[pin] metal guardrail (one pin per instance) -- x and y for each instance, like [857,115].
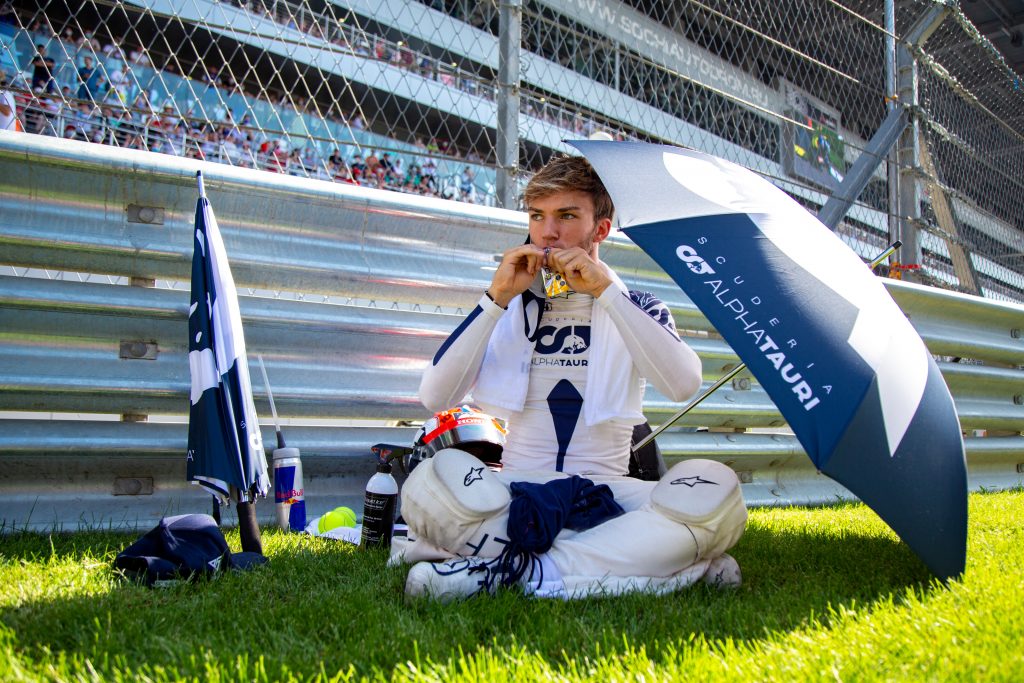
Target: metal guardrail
[409,266]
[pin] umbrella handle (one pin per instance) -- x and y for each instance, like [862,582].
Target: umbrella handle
[732,373]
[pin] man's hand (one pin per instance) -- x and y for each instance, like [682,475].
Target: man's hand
[582,273]
[515,274]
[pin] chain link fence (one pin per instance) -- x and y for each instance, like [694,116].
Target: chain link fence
[411,96]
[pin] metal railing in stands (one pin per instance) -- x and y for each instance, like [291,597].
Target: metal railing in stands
[347,293]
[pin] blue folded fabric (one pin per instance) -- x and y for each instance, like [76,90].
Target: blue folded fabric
[538,512]
[181,547]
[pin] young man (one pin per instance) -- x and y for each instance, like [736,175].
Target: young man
[565,372]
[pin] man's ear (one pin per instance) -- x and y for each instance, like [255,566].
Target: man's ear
[604,228]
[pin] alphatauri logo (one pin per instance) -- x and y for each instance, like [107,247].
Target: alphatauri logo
[693,261]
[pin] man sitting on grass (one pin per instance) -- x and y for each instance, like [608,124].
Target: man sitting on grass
[560,349]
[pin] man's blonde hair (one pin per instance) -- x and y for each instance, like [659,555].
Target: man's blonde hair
[570,174]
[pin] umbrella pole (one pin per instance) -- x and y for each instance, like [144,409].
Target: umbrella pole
[689,406]
[735,371]
[216,509]
[248,527]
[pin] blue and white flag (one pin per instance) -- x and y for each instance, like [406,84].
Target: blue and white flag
[820,333]
[225,446]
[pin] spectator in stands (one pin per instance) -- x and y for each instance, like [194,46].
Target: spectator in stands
[84,120]
[169,120]
[309,158]
[113,49]
[382,50]
[343,173]
[86,74]
[294,165]
[88,42]
[246,156]
[99,86]
[42,71]
[358,167]
[467,189]
[8,109]
[406,58]
[427,69]
[414,179]
[374,169]
[118,88]
[429,172]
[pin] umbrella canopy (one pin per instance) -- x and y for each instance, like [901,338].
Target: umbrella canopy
[224,442]
[820,332]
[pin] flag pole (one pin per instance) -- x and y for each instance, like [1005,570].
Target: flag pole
[735,371]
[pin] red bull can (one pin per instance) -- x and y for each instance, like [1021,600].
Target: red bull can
[289,496]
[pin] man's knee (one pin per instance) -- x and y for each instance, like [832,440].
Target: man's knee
[704,495]
[450,497]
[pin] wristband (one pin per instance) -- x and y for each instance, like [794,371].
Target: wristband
[488,294]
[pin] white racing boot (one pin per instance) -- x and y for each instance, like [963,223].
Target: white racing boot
[723,572]
[465,577]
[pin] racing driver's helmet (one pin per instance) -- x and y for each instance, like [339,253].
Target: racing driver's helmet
[465,428]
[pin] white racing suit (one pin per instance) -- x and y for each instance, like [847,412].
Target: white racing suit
[579,352]
[670,535]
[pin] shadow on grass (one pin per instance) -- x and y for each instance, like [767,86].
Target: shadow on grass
[322,601]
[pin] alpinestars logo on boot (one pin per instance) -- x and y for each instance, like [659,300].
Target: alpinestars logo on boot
[475,474]
[691,481]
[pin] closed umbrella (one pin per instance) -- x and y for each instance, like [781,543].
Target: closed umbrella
[225,448]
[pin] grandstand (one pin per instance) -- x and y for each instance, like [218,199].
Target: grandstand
[410,96]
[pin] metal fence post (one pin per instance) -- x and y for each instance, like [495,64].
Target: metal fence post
[507,147]
[909,154]
[892,161]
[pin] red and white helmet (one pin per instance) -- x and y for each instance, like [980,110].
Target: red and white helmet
[464,428]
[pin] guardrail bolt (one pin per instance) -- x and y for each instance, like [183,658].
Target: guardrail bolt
[1018,400]
[136,349]
[1015,333]
[741,384]
[1020,468]
[745,477]
[152,215]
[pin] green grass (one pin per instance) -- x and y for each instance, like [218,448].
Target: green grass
[829,593]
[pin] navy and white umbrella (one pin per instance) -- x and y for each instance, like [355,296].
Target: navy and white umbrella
[821,334]
[225,447]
